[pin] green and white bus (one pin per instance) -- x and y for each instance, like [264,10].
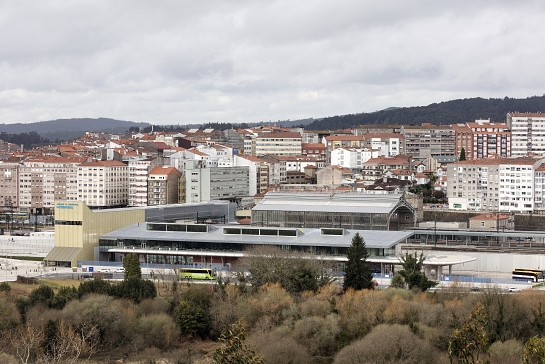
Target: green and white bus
[196,273]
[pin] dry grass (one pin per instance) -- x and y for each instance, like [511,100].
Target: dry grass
[22,289]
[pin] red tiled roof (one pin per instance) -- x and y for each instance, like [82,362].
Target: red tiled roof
[527,114]
[489,216]
[165,170]
[103,164]
[344,137]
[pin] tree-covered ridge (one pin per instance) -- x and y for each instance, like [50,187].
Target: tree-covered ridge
[29,140]
[448,112]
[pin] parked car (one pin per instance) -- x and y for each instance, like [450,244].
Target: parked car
[120,270]
[104,270]
[513,289]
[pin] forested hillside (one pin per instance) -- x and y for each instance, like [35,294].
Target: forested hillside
[448,112]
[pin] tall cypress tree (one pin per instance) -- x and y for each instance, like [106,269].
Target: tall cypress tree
[131,263]
[358,273]
[462,155]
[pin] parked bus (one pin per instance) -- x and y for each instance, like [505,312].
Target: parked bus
[196,273]
[535,275]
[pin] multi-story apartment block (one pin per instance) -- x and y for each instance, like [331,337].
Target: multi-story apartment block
[277,170]
[103,184]
[44,180]
[464,140]
[299,162]
[138,181]
[389,144]
[474,185]
[9,185]
[317,150]
[493,184]
[375,168]
[249,145]
[258,173]
[428,140]
[216,183]
[517,183]
[235,138]
[333,142]
[527,133]
[163,184]
[539,188]
[490,139]
[283,143]
[352,158]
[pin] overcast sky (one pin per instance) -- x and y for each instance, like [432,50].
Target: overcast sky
[179,62]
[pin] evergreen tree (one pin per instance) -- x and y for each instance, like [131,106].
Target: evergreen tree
[358,273]
[412,272]
[132,267]
[462,155]
[233,349]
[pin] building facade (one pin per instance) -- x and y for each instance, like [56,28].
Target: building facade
[428,140]
[207,184]
[163,184]
[103,184]
[493,184]
[286,143]
[44,180]
[527,133]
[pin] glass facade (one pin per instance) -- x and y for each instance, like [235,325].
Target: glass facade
[316,220]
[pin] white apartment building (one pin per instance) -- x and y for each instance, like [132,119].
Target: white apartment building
[138,181]
[103,183]
[346,157]
[44,180]
[352,158]
[258,171]
[499,184]
[388,144]
[527,133]
[517,184]
[278,143]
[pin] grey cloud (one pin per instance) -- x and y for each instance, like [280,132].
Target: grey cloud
[244,61]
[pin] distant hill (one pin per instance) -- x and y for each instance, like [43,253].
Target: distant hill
[67,129]
[448,112]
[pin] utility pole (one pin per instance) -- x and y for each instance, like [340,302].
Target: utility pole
[435,229]
[498,228]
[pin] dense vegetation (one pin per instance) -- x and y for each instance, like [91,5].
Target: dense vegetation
[213,324]
[29,140]
[448,112]
[284,308]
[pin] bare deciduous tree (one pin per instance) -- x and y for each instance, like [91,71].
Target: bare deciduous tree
[70,345]
[26,340]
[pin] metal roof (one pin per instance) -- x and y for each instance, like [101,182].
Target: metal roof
[305,237]
[329,202]
[62,254]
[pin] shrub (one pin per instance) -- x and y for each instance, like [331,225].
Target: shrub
[279,348]
[158,330]
[507,352]
[9,315]
[192,319]
[388,344]
[318,334]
